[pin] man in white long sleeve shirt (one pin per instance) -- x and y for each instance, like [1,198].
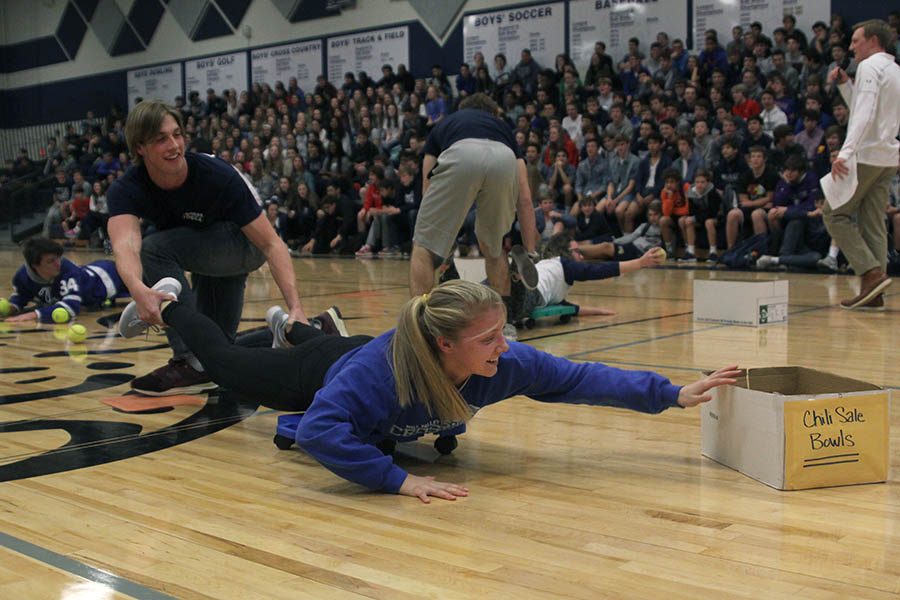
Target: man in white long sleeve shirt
[858,226]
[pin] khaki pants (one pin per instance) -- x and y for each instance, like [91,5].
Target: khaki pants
[858,227]
[471,170]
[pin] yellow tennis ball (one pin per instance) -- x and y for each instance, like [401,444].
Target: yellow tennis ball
[60,315]
[77,334]
[662,252]
[5,308]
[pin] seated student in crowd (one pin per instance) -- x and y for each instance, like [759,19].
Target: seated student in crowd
[831,143]
[688,161]
[728,173]
[804,244]
[335,228]
[649,181]
[674,211]
[669,134]
[561,174]
[53,282]
[703,141]
[783,147]
[755,136]
[785,101]
[409,194]
[549,218]
[446,359]
[639,143]
[618,123]
[620,192]
[382,237]
[744,106]
[371,209]
[591,226]
[794,198]
[646,236]
[755,192]
[705,209]
[562,265]
[815,104]
[78,208]
[592,175]
[810,137]
[772,115]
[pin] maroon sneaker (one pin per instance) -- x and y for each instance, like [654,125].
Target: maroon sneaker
[330,322]
[176,377]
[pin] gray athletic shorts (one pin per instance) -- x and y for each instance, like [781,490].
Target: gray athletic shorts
[471,170]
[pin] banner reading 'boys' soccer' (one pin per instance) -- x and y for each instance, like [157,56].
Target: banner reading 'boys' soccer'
[539,28]
[613,22]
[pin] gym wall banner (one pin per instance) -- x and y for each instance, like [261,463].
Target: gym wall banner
[302,60]
[615,21]
[539,28]
[225,71]
[367,51]
[722,16]
[162,82]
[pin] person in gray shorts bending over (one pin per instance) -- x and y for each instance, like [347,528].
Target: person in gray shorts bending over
[471,156]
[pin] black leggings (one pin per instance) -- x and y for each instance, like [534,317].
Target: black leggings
[283,379]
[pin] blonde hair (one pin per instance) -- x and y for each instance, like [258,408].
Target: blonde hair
[143,124]
[448,309]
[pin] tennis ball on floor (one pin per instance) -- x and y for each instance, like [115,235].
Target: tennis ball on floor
[107,303]
[77,334]
[661,252]
[60,315]
[5,308]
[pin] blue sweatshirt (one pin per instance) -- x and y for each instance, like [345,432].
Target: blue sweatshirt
[799,198]
[357,406]
[75,286]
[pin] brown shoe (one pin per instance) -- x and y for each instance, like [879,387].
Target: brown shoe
[873,283]
[175,377]
[875,304]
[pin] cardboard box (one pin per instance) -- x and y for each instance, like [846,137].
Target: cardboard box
[740,302]
[796,428]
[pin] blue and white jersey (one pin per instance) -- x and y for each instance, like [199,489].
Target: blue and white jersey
[75,286]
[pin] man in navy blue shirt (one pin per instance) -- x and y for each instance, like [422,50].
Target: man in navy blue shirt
[209,222]
[471,157]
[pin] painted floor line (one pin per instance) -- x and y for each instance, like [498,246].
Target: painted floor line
[79,569]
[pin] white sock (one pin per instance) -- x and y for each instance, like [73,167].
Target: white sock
[775,260]
[833,251]
[712,250]
[690,249]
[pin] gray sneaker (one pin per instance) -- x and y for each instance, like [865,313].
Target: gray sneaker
[130,323]
[828,264]
[524,267]
[277,318]
[766,262]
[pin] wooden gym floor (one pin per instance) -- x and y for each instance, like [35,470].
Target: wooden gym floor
[566,501]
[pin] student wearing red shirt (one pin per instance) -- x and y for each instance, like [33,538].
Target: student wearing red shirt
[744,107]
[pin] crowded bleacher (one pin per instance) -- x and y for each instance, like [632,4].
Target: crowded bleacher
[723,147]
